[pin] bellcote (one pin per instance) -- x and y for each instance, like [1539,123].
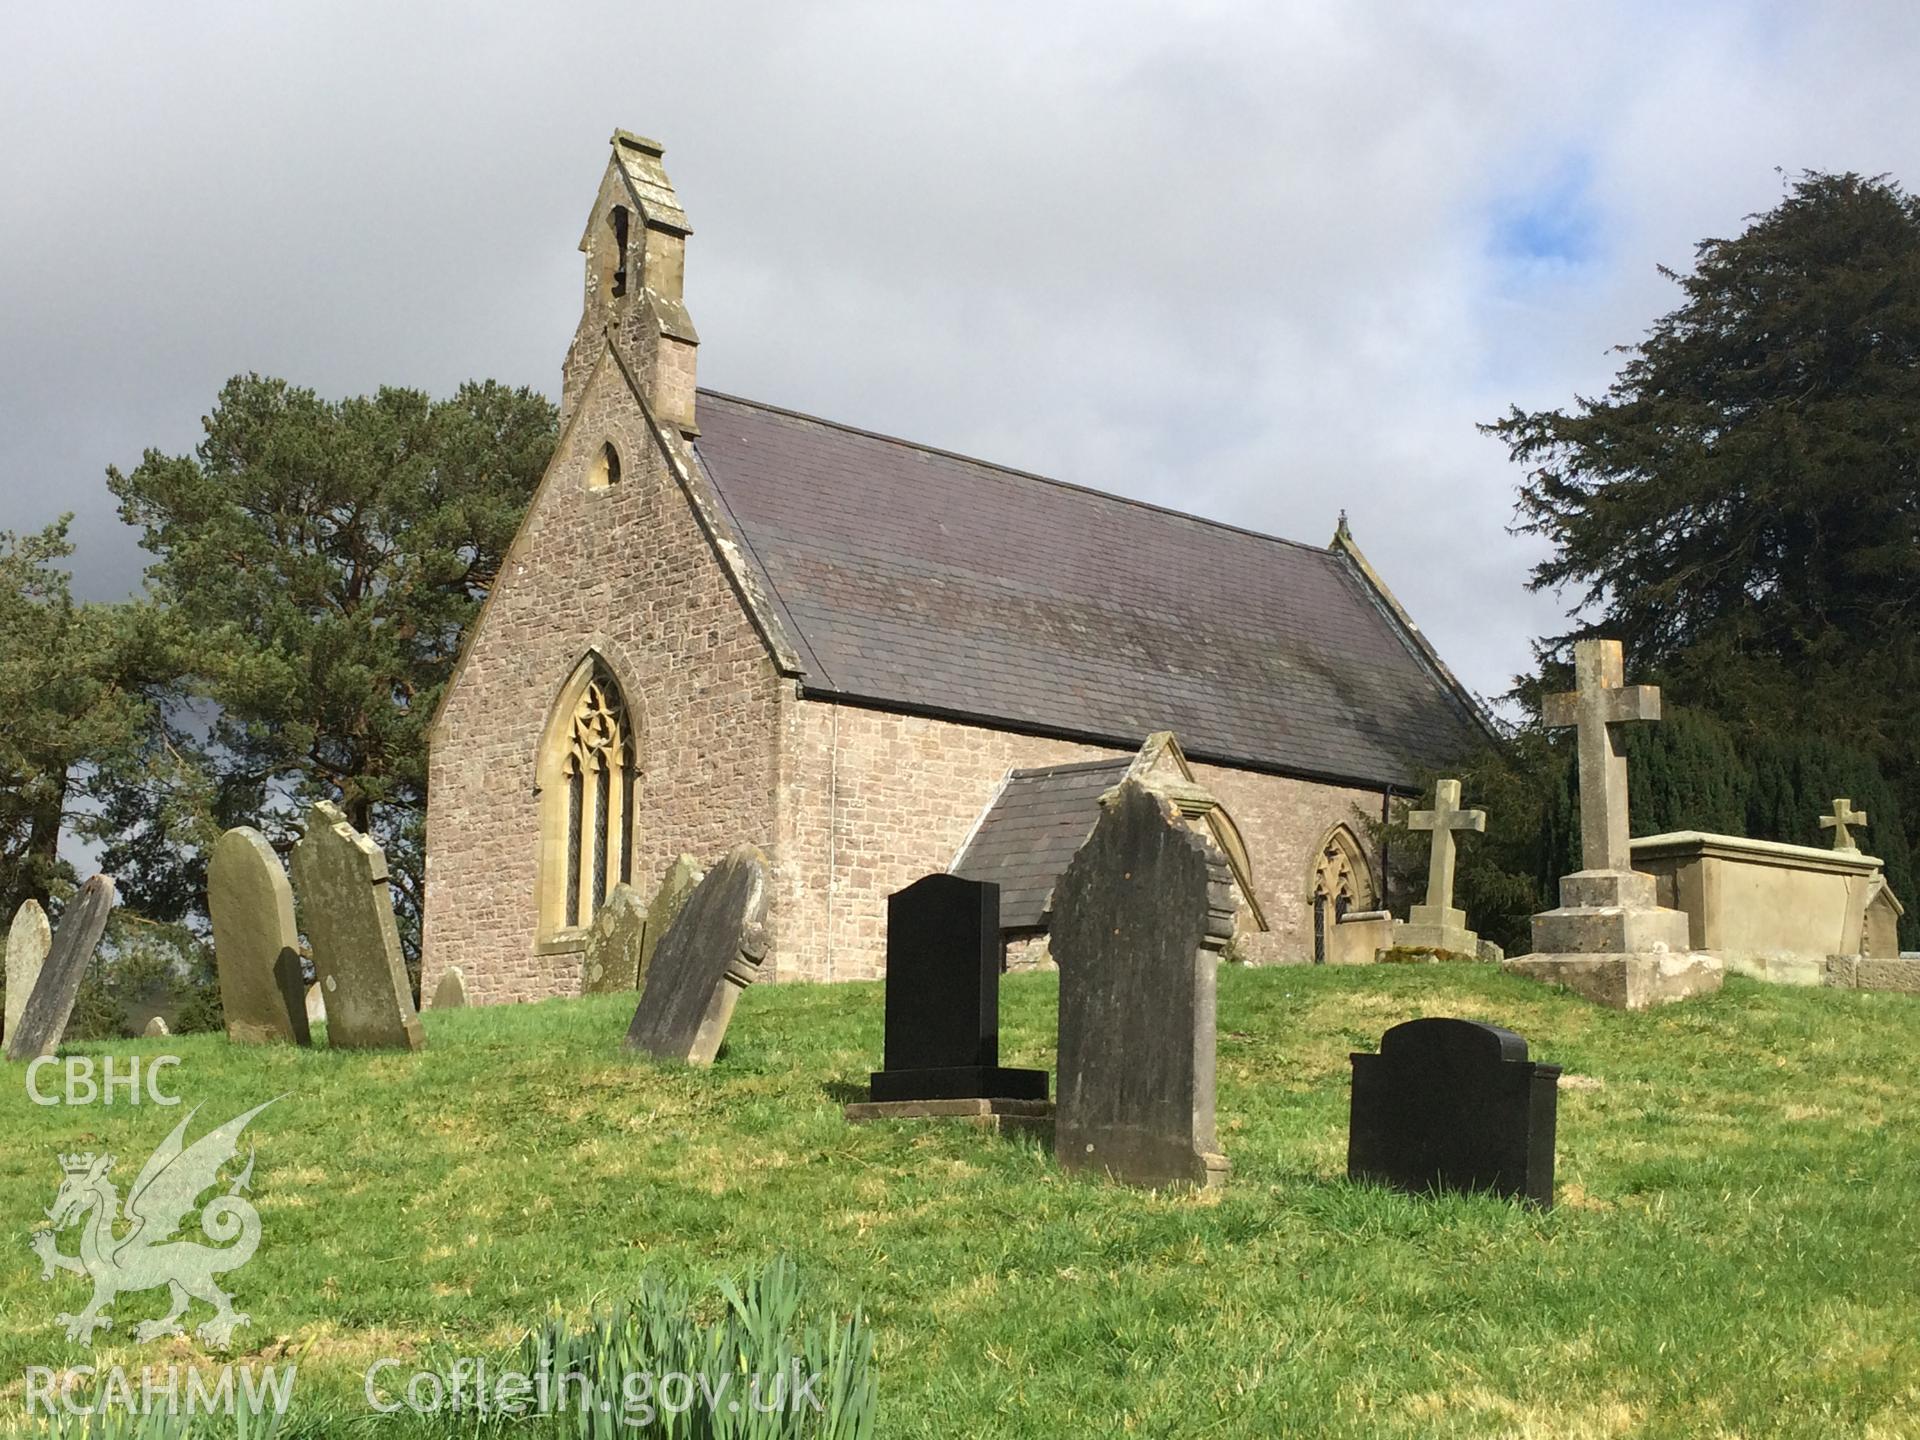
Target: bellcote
[635,246]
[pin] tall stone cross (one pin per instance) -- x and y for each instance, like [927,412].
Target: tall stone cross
[1445,818]
[1842,820]
[1598,705]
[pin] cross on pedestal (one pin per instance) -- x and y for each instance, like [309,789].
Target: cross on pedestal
[1842,820]
[1598,705]
[1445,818]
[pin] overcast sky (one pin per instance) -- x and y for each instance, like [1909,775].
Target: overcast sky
[1259,261]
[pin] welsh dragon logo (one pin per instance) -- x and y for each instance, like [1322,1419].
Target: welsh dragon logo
[145,1255]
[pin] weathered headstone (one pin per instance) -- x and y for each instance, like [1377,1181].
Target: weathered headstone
[256,947]
[711,952]
[1842,822]
[1454,1105]
[943,998]
[28,939]
[1611,940]
[156,1028]
[316,1006]
[611,961]
[1139,919]
[44,1020]
[451,992]
[1437,925]
[675,886]
[341,876]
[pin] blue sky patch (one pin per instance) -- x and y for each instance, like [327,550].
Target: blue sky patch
[1555,222]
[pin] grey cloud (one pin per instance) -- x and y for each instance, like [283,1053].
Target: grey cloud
[1233,257]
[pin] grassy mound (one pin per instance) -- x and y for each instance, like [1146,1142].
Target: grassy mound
[1732,1254]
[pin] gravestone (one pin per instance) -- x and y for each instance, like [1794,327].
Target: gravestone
[1139,918]
[1437,925]
[1454,1105]
[256,947]
[675,886]
[711,952]
[341,876]
[1611,940]
[28,940]
[156,1028]
[943,998]
[451,992]
[611,961]
[316,1006]
[44,1020]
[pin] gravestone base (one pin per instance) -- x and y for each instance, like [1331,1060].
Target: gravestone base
[1139,1158]
[1860,972]
[1429,927]
[959,1082]
[1779,969]
[1626,982]
[999,1116]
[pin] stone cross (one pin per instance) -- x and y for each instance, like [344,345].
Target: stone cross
[1445,818]
[1598,705]
[1842,820]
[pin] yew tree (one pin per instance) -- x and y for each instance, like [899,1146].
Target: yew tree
[1742,505]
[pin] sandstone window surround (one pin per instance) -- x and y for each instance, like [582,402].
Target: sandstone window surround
[1341,880]
[587,770]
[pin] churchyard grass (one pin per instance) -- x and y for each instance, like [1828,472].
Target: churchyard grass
[1733,1252]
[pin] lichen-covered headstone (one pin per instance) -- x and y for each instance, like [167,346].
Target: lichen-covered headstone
[156,1027]
[256,947]
[451,992]
[675,886]
[44,1020]
[710,953]
[28,940]
[1139,919]
[611,961]
[341,877]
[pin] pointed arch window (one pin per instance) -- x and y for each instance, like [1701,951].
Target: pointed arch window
[1342,881]
[589,799]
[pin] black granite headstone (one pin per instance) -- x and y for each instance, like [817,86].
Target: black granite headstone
[943,997]
[44,1022]
[1454,1105]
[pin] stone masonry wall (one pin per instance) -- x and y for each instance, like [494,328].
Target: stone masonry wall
[624,569]
[870,801]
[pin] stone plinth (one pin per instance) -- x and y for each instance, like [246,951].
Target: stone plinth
[1611,942]
[1772,911]
[1429,927]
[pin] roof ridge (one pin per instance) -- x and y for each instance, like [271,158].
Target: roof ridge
[1018,473]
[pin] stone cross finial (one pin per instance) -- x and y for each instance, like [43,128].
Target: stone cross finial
[1841,822]
[1598,705]
[1445,818]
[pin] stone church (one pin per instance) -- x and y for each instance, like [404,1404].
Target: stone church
[725,621]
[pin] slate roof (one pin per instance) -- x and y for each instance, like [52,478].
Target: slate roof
[913,579]
[1029,833]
